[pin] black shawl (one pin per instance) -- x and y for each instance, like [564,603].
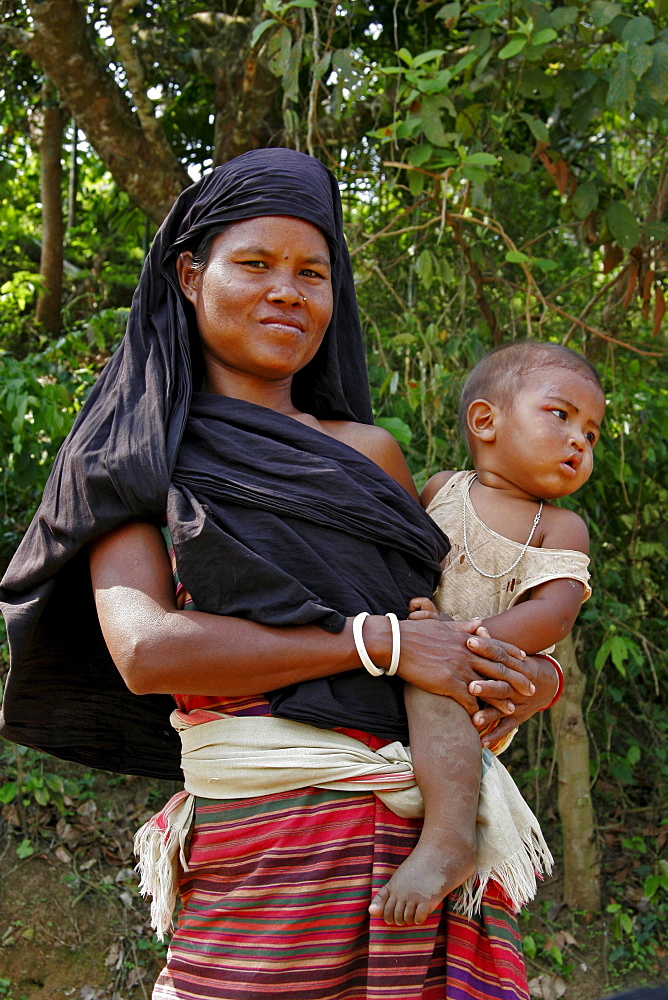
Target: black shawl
[258,505]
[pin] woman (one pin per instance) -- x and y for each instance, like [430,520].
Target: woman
[236,417]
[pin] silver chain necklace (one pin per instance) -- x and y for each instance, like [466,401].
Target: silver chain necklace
[494,576]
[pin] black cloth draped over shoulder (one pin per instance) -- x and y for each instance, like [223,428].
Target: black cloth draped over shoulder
[271,520]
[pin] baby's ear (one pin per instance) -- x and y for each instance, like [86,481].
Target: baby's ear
[480,420]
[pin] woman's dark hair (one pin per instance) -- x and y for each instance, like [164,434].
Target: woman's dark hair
[202,250]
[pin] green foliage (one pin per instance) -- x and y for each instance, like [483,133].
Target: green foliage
[40,395]
[639,933]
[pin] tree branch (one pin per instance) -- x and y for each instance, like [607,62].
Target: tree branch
[134,70]
[61,47]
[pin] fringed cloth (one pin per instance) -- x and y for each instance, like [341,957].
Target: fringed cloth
[272,756]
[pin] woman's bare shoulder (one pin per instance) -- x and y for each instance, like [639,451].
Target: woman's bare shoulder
[378,445]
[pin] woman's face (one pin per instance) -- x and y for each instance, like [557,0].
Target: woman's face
[263,300]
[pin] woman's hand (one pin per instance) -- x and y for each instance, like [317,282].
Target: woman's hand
[497,725]
[448,658]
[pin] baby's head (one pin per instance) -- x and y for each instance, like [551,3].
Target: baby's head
[531,414]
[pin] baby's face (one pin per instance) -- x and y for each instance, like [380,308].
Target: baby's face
[546,440]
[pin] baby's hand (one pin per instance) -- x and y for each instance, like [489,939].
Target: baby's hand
[423,607]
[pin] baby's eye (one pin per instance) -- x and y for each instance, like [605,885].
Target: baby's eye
[591,437]
[560,413]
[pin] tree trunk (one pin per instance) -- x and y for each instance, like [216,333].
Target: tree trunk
[51,172]
[582,889]
[142,165]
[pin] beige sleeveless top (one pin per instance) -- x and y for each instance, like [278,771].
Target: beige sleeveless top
[463,593]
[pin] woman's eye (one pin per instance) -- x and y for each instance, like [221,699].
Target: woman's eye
[254,263]
[308,273]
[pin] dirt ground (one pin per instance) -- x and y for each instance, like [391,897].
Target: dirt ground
[72,924]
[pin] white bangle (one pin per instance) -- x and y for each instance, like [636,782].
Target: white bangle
[367,663]
[396,644]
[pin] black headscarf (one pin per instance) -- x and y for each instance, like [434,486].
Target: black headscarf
[136,451]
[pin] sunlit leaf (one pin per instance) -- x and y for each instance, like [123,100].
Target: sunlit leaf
[513,48]
[398,428]
[544,36]
[517,257]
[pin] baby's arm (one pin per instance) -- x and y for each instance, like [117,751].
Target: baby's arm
[548,612]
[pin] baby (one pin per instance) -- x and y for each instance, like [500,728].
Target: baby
[531,413]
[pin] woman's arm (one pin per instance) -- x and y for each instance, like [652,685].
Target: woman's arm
[161,649]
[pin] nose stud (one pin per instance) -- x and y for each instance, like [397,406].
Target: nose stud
[304,298]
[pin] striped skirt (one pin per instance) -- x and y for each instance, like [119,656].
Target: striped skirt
[274,905]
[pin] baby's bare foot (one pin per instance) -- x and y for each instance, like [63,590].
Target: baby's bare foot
[423,881]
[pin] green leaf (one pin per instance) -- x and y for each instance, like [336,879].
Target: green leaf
[424,266]
[622,89]
[640,59]
[544,36]
[487,11]
[563,16]
[41,796]
[450,11]
[516,162]
[397,428]
[405,56]
[529,946]
[8,792]
[651,885]
[322,65]
[24,849]
[260,29]
[514,46]
[538,128]
[633,754]
[638,29]
[623,224]
[432,126]
[427,57]
[418,155]
[481,160]
[585,199]
[280,49]
[619,654]
[475,174]
[534,83]
[517,257]
[602,12]
[479,40]
[416,182]
[656,79]
[546,264]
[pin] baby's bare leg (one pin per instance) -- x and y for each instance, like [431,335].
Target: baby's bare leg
[447,761]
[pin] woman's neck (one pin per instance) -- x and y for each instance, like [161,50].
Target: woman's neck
[274,395]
